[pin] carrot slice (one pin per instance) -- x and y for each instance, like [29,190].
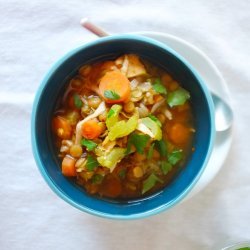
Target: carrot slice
[116,84]
[91,129]
[179,133]
[61,127]
[68,166]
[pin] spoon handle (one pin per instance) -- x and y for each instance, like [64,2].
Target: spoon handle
[93,28]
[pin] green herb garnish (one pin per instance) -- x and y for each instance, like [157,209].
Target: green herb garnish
[90,145]
[122,173]
[111,94]
[152,117]
[175,156]
[166,167]
[150,151]
[159,87]
[139,141]
[77,101]
[91,163]
[177,97]
[111,113]
[150,182]
[97,179]
[161,146]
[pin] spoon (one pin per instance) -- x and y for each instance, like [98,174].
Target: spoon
[223,111]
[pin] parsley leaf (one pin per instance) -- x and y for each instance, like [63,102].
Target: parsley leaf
[90,145]
[159,87]
[150,182]
[177,97]
[152,117]
[150,151]
[139,141]
[161,146]
[175,156]
[111,94]
[91,163]
[77,101]
[165,167]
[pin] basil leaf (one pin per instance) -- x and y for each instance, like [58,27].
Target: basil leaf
[159,87]
[150,182]
[150,151]
[139,141]
[152,117]
[177,97]
[97,179]
[112,95]
[91,163]
[165,167]
[77,101]
[161,146]
[90,145]
[175,156]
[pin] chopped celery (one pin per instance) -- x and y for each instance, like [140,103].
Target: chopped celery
[123,128]
[112,158]
[177,97]
[150,182]
[113,116]
[152,126]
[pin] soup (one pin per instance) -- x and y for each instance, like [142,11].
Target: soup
[123,128]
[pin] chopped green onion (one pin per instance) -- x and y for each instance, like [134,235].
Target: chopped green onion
[112,95]
[165,167]
[150,182]
[152,117]
[177,97]
[91,163]
[139,141]
[175,156]
[90,145]
[159,87]
[77,101]
[150,151]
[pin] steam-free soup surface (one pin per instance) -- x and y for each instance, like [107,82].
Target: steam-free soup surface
[123,128]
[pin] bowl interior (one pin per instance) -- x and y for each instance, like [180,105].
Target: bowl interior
[53,86]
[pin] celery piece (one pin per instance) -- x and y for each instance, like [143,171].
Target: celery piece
[177,97]
[109,160]
[150,182]
[113,116]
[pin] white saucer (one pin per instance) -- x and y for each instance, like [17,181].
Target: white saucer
[215,82]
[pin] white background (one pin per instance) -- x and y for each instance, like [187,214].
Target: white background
[33,34]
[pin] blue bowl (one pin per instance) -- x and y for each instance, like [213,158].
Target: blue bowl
[53,86]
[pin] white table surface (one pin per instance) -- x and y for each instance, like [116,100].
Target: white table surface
[33,34]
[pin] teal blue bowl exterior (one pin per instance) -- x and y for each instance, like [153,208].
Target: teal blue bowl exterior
[54,84]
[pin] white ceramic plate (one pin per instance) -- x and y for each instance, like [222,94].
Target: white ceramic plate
[215,82]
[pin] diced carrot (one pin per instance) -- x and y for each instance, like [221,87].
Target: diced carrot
[91,129]
[61,127]
[117,83]
[68,166]
[179,133]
